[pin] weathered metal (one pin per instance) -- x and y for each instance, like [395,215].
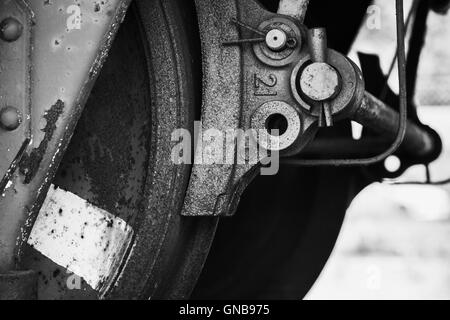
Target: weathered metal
[244,88]
[319,81]
[247,247]
[324,87]
[377,116]
[10,29]
[318,44]
[294,8]
[70,44]
[238,85]
[419,143]
[222,93]
[15,85]
[265,119]
[18,285]
[403,108]
[125,137]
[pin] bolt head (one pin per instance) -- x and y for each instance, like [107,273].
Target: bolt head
[319,81]
[10,29]
[10,118]
[276,39]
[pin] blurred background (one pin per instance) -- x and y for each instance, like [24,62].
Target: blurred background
[395,242]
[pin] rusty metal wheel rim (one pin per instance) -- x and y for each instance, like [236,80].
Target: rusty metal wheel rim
[166,252]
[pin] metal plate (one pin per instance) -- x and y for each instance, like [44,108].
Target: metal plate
[15,78]
[71,42]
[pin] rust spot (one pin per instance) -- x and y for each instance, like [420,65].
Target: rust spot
[29,165]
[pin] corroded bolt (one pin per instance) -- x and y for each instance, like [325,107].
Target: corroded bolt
[10,29]
[10,118]
[320,81]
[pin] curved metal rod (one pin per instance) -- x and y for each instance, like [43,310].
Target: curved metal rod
[411,13]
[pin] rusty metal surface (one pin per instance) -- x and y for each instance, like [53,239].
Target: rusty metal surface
[222,94]
[374,114]
[71,42]
[18,285]
[105,167]
[238,86]
[403,110]
[235,86]
[349,95]
[320,81]
[119,160]
[168,250]
[244,85]
[294,8]
[287,75]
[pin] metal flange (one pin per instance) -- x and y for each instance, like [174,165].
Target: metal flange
[68,52]
[349,80]
[15,80]
[251,79]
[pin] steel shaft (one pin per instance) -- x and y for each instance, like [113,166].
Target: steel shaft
[384,120]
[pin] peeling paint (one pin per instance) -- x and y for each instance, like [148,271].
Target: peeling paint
[29,165]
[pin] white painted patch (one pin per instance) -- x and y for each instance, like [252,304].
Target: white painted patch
[357,130]
[88,241]
[392,164]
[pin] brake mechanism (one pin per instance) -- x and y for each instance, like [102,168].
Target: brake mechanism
[266,71]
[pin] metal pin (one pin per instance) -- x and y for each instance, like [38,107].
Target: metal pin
[318,48]
[318,44]
[242,41]
[322,122]
[328,114]
[10,29]
[248,27]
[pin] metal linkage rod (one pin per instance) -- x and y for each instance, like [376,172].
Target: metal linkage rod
[384,120]
[294,8]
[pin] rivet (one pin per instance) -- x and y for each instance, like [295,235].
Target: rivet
[10,118]
[10,29]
